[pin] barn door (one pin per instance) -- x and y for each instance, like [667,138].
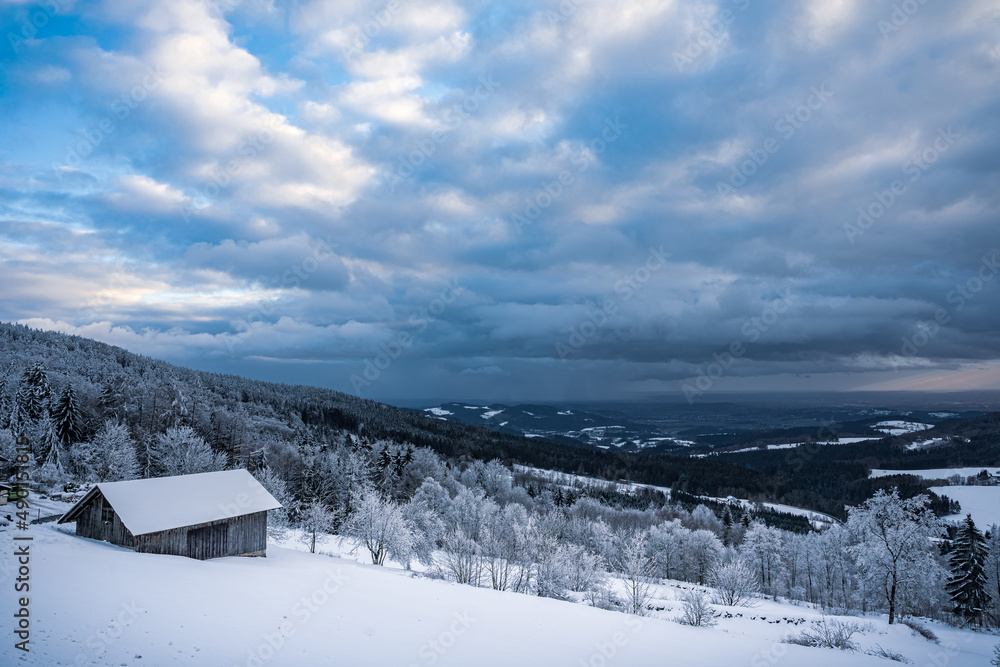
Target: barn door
[208,542]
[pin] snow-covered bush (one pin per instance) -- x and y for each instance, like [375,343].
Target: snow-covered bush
[828,634]
[696,610]
[735,584]
[889,654]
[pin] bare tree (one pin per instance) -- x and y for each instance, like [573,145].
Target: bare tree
[636,568]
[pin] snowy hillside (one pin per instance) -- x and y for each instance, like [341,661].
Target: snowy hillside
[937,473]
[982,502]
[96,604]
[583,428]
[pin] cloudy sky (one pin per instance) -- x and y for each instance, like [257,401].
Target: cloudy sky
[543,200]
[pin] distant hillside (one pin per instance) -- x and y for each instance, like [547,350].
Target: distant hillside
[571,426]
[241,417]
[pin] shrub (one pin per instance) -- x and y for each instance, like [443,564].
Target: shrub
[828,634]
[888,653]
[735,584]
[602,597]
[921,630]
[697,611]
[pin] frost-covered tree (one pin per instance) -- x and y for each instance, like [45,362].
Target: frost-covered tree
[279,518]
[381,528]
[427,530]
[67,418]
[703,518]
[666,548]
[735,583]
[434,496]
[108,457]
[314,518]
[761,549]
[838,580]
[702,551]
[462,557]
[181,451]
[967,583]
[504,540]
[636,567]
[992,568]
[553,567]
[48,442]
[894,549]
[34,392]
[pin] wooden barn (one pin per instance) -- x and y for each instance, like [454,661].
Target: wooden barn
[208,515]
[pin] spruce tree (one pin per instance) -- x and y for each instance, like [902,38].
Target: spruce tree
[967,584]
[66,415]
[108,400]
[34,392]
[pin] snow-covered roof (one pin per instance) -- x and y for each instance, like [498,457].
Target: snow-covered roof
[161,503]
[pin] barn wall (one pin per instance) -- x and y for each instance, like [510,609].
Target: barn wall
[245,536]
[89,523]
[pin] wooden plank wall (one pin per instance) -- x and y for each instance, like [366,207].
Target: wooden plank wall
[90,524]
[244,535]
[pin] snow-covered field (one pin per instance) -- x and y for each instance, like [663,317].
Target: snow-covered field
[793,445]
[581,481]
[982,502]
[818,519]
[897,427]
[96,604]
[924,444]
[935,473]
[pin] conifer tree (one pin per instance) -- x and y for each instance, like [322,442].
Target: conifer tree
[34,393]
[967,584]
[66,415]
